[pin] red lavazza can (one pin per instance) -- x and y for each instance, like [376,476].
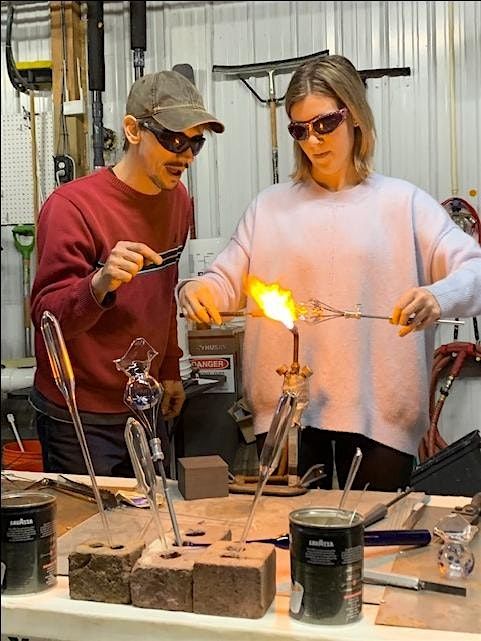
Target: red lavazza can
[29,542]
[326,547]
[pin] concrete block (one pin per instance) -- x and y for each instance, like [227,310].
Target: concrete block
[203,477]
[164,581]
[205,534]
[98,572]
[236,587]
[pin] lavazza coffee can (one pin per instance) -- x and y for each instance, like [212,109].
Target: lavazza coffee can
[29,542]
[326,549]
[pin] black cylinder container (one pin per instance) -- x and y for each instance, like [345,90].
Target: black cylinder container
[326,550]
[29,542]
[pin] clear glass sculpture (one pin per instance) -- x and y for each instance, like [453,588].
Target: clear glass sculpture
[455,558]
[142,392]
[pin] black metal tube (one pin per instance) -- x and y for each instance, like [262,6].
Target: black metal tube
[98,129]
[138,26]
[138,35]
[96,75]
[95,40]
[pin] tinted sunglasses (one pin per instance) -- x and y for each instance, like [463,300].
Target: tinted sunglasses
[174,141]
[321,125]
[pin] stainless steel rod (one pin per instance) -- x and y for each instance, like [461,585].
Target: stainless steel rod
[447,321]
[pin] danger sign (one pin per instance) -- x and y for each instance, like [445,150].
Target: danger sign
[211,363]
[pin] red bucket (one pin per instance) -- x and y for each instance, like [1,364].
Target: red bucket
[29,461]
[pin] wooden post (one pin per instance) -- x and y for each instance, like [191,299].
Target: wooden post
[68,30]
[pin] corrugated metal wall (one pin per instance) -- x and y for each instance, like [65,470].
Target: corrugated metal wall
[412,113]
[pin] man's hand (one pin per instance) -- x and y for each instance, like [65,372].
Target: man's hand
[123,263]
[173,399]
[197,303]
[417,309]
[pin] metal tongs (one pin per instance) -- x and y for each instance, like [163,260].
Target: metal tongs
[67,486]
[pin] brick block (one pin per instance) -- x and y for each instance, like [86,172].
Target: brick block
[164,582]
[98,572]
[237,587]
[203,477]
[205,534]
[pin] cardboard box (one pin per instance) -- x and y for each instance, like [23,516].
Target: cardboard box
[203,477]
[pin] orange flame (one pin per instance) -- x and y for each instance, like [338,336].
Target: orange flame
[275,302]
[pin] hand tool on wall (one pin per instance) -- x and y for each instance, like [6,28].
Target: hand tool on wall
[271,69]
[24,240]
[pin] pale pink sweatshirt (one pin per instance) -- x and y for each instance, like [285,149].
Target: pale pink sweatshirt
[367,245]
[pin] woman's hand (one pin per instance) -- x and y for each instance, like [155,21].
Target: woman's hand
[415,310]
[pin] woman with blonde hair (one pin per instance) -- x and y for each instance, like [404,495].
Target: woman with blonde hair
[343,234]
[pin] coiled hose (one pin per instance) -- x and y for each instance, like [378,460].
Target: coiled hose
[454,354]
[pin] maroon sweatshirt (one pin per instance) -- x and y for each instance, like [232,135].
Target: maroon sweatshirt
[78,226]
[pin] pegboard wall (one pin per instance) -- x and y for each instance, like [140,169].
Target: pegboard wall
[16,172]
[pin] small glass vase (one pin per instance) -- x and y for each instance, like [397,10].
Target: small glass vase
[143,392]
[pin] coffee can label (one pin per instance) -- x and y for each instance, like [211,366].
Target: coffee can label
[29,544]
[326,566]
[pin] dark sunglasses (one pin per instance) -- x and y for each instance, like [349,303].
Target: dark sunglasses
[321,125]
[174,141]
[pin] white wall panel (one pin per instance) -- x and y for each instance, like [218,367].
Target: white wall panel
[412,113]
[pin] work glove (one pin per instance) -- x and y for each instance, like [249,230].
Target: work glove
[415,310]
[197,303]
[172,399]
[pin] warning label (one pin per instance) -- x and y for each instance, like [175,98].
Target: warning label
[211,365]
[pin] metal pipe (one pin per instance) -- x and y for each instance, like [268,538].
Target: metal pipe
[96,74]
[295,350]
[138,36]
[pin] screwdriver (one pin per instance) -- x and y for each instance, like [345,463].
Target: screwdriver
[379,511]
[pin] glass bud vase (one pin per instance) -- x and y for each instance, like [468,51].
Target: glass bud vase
[143,392]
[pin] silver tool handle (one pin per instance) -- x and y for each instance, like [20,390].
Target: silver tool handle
[390,578]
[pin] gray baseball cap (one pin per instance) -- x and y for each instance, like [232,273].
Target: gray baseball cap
[172,100]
